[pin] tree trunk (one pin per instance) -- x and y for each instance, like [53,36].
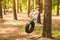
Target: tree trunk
[18,6]
[57,1]
[47,19]
[40,6]
[33,5]
[28,10]
[1,9]
[14,10]
[5,7]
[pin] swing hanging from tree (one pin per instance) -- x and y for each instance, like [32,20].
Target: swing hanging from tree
[30,25]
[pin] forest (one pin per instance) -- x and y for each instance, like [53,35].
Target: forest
[29,19]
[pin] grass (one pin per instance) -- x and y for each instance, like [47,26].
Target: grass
[39,30]
[22,27]
[56,30]
[54,10]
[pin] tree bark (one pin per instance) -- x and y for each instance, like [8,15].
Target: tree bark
[57,1]
[47,19]
[14,10]
[18,6]
[28,9]
[1,16]
[5,7]
[40,10]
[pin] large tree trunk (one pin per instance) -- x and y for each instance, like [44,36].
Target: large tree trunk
[14,10]
[47,19]
[28,8]
[57,1]
[5,7]
[39,2]
[1,9]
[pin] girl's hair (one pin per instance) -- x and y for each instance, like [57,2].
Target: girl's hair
[37,6]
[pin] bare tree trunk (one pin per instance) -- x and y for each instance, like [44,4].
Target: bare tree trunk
[57,1]
[39,2]
[47,19]
[5,7]
[18,6]
[1,16]
[28,10]
[33,4]
[14,10]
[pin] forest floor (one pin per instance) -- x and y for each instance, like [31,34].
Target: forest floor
[10,28]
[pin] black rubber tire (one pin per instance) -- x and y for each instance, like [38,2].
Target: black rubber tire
[32,27]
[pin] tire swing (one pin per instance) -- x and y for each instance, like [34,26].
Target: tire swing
[30,27]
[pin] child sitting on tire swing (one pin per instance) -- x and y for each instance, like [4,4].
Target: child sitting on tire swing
[33,16]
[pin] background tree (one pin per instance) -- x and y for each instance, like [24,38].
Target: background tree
[39,4]
[18,6]
[47,19]
[5,7]
[57,2]
[28,8]
[32,6]
[1,9]
[14,10]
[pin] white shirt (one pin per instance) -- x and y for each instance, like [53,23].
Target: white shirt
[35,14]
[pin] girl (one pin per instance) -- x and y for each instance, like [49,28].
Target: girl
[34,14]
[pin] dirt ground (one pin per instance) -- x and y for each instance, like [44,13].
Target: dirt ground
[10,31]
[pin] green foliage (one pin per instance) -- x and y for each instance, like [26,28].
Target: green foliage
[24,4]
[2,4]
[9,3]
[21,27]
[54,32]
[38,30]
[53,3]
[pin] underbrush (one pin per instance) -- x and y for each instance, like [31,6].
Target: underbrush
[38,30]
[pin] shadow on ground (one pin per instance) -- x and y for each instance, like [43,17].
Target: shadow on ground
[25,37]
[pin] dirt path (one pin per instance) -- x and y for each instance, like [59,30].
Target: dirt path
[10,31]
[13,33]
[23,19]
